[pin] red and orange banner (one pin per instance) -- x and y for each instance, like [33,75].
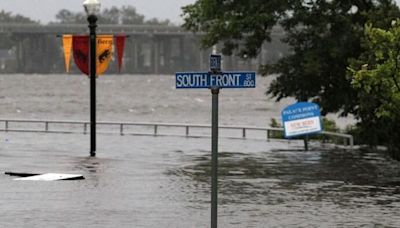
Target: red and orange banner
[80,46]
[120,43]
[104,51]
[67,46]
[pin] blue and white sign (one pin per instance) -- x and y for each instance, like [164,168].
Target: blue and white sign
[301,118]
[215,63]
[201,80]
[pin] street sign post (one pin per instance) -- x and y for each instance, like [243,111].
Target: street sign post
[214,80]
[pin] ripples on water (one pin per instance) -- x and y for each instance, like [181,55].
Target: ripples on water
[165,181]
[133,98]
[302,189]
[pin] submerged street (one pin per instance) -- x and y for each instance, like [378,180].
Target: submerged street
[142,181]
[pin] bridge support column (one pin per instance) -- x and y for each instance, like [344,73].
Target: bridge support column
[201,63]
[135,53]
[156,55]
[182,53]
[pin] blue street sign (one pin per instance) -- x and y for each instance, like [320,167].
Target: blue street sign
[201,80]
[301,118]
[215,63]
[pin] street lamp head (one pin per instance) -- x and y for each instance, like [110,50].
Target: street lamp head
[92,7]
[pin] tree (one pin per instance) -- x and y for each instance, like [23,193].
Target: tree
[67,17]
[321,34]
[375,76]
[7,17]
[6,40]
[125,15]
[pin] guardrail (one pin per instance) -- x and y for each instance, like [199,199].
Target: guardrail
[22,28]
[157,129]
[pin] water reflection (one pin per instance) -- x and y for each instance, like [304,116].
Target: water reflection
[89,164]
[297,180]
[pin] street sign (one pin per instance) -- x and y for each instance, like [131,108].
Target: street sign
[202,80]
[301,118]
[215,63]
[214,80]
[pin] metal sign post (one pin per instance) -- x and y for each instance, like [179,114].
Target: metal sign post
[215,68]
[214,80]
[92,25]
[214,157]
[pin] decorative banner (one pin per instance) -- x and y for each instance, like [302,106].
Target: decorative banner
[104,52]
[80,46]
[301,119]
[67,46]
[120,43]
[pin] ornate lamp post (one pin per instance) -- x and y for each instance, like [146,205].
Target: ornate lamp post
[92,7]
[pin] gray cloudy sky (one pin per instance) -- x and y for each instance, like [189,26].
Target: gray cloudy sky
[45,10]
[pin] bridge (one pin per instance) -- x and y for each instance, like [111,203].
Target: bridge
[150,49]
[55,29]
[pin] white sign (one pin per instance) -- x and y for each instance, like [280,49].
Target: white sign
[302,126]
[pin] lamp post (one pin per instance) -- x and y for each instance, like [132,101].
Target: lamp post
[92,7]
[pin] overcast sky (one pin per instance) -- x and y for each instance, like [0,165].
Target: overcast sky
[45,10]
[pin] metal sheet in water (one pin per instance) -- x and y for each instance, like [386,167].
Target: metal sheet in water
[51,177]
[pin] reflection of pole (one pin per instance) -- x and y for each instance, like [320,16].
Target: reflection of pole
[305,139]
[92,26]
[214,158]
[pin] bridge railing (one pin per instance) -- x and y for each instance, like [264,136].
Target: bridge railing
[158,129]
[82,28]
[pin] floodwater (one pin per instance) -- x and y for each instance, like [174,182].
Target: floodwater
[144,181]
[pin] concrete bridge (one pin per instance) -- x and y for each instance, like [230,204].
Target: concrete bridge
[150,49]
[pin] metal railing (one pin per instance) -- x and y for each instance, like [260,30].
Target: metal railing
[158,129]
[30,28]
[22,28]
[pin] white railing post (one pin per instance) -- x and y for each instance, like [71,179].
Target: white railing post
[351,141]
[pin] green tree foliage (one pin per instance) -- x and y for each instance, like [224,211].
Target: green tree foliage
[114,15]
[322,36]
[376,78]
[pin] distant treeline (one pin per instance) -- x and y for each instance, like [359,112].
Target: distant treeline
[123,15]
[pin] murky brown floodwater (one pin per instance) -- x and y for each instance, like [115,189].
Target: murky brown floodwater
[138,181]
